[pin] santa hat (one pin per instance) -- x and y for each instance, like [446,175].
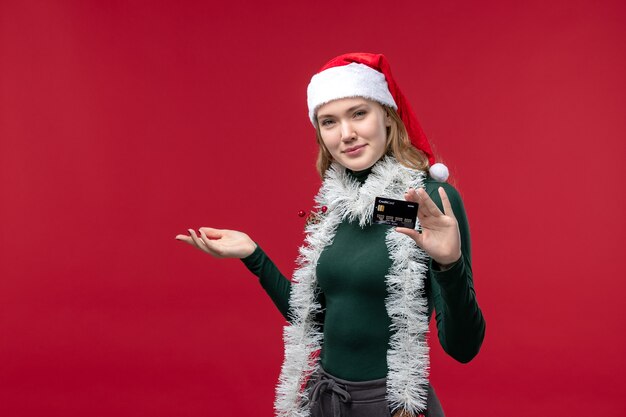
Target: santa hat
[369,76]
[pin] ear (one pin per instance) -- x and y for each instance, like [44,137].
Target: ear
[387,119]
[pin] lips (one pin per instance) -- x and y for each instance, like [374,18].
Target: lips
[354,148]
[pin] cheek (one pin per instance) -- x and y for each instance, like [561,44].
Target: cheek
[331,140]
[378,134]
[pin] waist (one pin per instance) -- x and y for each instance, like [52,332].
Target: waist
[371,390]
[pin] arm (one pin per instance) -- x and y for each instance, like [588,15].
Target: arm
[271,279]
[275,284]
[224,243]
[460,323]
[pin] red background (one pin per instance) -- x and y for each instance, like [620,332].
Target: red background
[125,123]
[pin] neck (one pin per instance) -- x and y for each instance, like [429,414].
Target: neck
[360,176]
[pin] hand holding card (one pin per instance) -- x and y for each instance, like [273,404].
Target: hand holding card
[439,236]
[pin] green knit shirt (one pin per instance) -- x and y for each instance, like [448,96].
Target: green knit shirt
[351,276]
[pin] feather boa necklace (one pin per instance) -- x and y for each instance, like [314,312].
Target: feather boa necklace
[407,357]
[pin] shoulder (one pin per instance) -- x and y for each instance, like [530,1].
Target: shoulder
[432,186]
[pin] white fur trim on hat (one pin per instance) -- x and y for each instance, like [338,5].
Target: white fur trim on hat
[352,80]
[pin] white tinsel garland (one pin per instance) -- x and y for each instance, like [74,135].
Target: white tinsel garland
[407,358]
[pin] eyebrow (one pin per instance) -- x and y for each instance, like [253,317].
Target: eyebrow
[350,110]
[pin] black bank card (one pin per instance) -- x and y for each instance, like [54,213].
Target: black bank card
[395,212]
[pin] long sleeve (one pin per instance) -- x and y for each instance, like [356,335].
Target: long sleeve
[460,323]
[272,280]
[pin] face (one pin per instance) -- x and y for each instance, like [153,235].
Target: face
[354,131]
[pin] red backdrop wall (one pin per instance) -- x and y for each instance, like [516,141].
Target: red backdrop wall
[123,124]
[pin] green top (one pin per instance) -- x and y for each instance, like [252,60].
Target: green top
[351,275]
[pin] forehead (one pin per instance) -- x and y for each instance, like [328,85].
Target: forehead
[342,105]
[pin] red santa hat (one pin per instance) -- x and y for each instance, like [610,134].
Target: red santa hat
[369,76]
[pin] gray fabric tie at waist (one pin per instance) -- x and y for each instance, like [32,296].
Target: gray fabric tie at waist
[329,395]
[338,393]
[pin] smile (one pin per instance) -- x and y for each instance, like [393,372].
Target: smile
[353,150]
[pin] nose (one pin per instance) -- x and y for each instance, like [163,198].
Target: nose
[347,132]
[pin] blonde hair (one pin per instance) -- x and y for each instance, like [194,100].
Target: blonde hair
[398,145]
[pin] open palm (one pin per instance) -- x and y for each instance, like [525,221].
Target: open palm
[220,243]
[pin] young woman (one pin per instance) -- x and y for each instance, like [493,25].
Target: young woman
[360,302]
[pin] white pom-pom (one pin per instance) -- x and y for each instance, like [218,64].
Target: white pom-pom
[439,172]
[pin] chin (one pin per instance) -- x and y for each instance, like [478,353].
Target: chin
[358,165]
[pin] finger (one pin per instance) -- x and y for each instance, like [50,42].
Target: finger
[196,240]
[429,206]
[411,195]
[212,233]
[412,233]
[185,238]
[209,244]
[447,207]
[416,196]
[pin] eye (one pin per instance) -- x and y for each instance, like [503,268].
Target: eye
[327,122]
[359,114]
